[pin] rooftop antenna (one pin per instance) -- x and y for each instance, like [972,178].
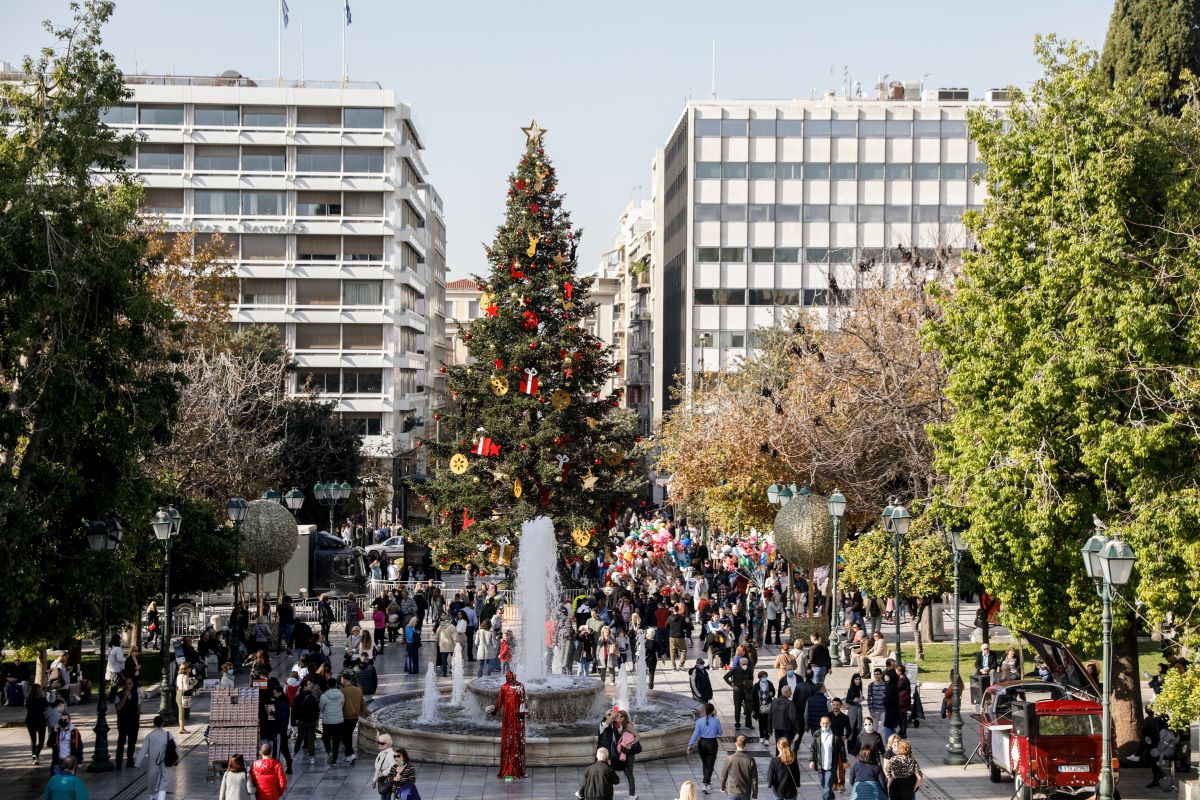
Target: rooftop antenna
[302,52]
[713,91]
[923,77]
[846,81]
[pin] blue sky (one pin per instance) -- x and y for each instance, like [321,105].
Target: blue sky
[607,79]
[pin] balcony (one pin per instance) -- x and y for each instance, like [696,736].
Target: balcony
[642,281]
[639,346]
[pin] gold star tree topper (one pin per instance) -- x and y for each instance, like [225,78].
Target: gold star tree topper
[534,133]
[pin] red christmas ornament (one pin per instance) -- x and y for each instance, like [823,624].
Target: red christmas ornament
[520,183]
[420,443]
[529,383]
[499,364]
[557,440]
[437,417]
[529,320]
[595,394]
[492,309]
[534,208]
[523,446]
[568,289]
[517,275]
[442,370]
[467,336]
[637,439]
[599,345]
[596,462]
[533,345]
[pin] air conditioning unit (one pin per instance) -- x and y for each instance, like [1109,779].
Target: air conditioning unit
[952,95]
[997,96]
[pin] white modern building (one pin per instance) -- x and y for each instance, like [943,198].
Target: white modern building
[763,206]
[338,238]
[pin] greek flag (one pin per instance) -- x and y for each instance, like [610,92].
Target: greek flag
[283,3]
[348,12]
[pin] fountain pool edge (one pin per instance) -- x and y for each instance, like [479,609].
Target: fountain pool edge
[429,746]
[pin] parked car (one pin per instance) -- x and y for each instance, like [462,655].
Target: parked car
[1045,734]
[388,550]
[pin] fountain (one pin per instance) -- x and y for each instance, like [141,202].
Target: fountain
[563,710]
[643,677]
[458,680]
[621,692]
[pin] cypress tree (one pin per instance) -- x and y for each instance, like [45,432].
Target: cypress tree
[1152,36]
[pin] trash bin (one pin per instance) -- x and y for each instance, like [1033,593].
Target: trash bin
[979,685]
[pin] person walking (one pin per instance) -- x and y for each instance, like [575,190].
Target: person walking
[699,682]
[160,776]
[676,625]
[598,779]
[819,659]
[235,783]
[406,777]
[783,774]
[384,777]
[815,709]
[65,740]
[444,641]
[866,778]
[877,696]
[763,693]
[903,773]
[325,616]
[280,725]
[129,718]
[332,703]
[353,707]
[704,739]
[184,685]
[608,657]
[739,776]
[625,748]
[35,720]
[782,713]
[826,754]
[870,741]
[306,710]
[651,650]
[268,776]
[66,786]
[741,681]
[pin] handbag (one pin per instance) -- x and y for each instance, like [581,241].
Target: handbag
[251,783]
[386,784]
[408,791]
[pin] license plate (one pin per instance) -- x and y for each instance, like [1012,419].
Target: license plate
[1074,767]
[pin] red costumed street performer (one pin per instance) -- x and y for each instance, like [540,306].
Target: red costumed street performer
[513,709]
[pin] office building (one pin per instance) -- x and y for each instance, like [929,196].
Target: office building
[338,239]
[761,207]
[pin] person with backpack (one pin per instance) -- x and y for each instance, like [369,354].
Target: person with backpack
[65,740]
[158,756]
[325,616]
[267,775]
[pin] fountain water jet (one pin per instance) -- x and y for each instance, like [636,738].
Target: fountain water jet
[622,689]
[640,671]
[537,593]
[459,680]
[429,699]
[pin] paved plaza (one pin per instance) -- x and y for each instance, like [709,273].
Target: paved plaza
[656,780]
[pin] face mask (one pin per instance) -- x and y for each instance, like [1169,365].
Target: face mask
[791,673]
[824,729]
[868,726]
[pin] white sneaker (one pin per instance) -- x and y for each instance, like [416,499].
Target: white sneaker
[352,758]
[705,788]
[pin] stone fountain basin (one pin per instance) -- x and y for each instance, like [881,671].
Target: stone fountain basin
[431,746]
[557,699]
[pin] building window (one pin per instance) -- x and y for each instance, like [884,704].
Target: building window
[735,127]
[708,212]
[159,156]
[364,424]
[708,255]
[816,172]
[362,337]
[163,201]
[318,292]
[787,255]
[720,297]
[841,255]
[365,118]
[926,172]
[708,127]
[842,213]
[897,214]
[976,169]
[927,128]
[160,115]
[323,381]
[926,214]
[733,212]
[870,213]
[215,203]
[762,127]
[216,116]
[787,213]
[899,129]
[216,157]
[318,159]
[708,169]
[363,204]
[362,381]
[264,204]
[816,297]
[318,117]
[733,170]
[843,172]
[817,127]
[366,160]
[954,172]
[317,248]
[871,128]
[898,172]
[762,255]
[264,247]
[362,293]
[954,129]
[789,171]
[762,171]
[844,128]
[761,212]
[316,336]
[816,255]
[363,248]
[950,214]
[263,117]
[816,213]
[264,291]
[789,128]
[733,338]
[118,115]
[735,255]
[264,159]
[318,204]
[870,172]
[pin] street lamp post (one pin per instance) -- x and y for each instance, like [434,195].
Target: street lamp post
[236,509]
[166,524]
[103,536]
[330,494]
[1109,563]
[955,754]
[837,507]
[896,520]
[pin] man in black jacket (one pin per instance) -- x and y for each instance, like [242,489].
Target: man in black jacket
[818,659]
[675,633]
[741,679]
[598,779]
[825,755]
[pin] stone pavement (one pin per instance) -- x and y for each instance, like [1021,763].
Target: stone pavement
[656,780]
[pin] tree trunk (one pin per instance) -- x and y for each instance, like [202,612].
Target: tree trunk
[258,590]
[1126,688]
[918,642]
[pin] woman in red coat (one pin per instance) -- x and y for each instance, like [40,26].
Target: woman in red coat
[513,708]
[268,776]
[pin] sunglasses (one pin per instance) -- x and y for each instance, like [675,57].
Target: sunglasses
[382,742]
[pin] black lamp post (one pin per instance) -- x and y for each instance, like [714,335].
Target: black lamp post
[329,495]
[166,524]
[1109,562]
[896,520]
[236,509]
[104,536]
[837,507]
[955,755]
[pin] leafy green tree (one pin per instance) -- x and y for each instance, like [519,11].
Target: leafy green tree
[560,447]
[1146,37]
[316,445]
[86,384]
[1072,346]
[926,567]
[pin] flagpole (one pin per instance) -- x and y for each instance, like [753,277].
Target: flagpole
[343,47]
[279,42]
[301,52]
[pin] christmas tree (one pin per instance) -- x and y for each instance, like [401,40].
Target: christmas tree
[531,428]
